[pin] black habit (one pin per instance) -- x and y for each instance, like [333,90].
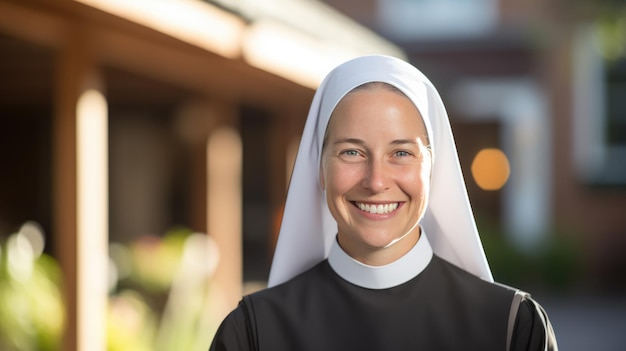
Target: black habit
[442,308]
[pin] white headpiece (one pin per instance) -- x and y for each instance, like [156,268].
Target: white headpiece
[308,229]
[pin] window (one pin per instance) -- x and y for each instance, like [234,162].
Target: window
[615,77]
[599,111]
[436,19]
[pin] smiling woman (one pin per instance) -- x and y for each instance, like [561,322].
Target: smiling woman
[378,248]
[375,159]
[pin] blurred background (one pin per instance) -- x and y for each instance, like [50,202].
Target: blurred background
[146,147]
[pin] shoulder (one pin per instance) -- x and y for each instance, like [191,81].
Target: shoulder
[471,285]
[529,325]
[298,287]
[232,333]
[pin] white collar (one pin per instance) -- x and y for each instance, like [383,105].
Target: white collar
[393,274]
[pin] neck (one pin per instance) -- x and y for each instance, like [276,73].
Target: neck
[397,272]
[380,256]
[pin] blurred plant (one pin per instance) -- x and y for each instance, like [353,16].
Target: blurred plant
[561,261]
[610,15]
[612,31]
[158,293]
[556,263]
[161,283]
[130,324]
[155,260]
[31,308]
[185,319]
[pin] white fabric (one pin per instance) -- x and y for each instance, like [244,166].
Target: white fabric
[308,229]
[381,277]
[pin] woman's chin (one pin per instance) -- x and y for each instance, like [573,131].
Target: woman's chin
[378,242]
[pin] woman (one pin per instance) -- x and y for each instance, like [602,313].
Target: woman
[378,248]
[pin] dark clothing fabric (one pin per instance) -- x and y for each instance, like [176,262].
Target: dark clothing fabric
[443,308]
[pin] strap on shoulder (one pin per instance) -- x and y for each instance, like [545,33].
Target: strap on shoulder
[517,299]
[550,338]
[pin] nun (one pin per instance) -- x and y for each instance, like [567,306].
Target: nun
[378,247]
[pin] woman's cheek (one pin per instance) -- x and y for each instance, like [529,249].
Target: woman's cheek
[345,174]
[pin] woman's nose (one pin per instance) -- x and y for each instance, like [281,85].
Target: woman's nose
[376,177]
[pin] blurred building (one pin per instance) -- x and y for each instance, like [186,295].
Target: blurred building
[125,118]
[544,82]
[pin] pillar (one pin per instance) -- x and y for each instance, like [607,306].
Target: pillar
[210,131]
[80,199]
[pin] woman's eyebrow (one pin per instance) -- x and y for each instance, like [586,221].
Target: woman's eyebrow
[404,141]
[362,142]
[349,141]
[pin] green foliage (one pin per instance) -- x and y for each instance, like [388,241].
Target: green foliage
[131,323]
[158,298]
[560,262]
[161,301]
[612,33]
[610,15]
[556,263]
[156,260]
[31,306]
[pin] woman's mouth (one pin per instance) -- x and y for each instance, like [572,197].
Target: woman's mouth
[377,208]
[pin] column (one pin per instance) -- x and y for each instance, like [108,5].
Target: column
[80,201]
[224,207]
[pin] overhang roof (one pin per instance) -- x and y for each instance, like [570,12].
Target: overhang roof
[297,39]
[316,19]
[182,42]
[308,38]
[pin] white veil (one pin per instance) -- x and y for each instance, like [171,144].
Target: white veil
[307,228]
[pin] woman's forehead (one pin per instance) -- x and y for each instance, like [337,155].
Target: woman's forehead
[376,109]
[344,82]
[375,87]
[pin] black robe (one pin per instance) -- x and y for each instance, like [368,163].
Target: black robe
[442,308]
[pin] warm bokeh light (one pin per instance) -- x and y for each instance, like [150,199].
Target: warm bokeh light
[33,233]
[490,169]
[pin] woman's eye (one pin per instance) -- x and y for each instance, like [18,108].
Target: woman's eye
[402,153]
[351,153]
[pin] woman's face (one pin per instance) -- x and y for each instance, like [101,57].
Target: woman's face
[376,170]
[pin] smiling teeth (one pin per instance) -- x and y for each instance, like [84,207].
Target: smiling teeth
[378,209]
